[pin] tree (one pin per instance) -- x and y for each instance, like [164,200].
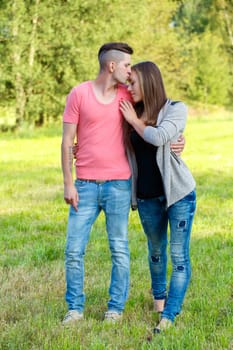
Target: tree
[46,47]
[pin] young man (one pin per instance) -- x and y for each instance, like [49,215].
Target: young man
[103,174]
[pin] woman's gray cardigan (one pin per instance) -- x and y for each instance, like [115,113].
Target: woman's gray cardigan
[177,179]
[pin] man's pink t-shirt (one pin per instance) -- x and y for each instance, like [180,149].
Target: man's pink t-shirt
[101,153]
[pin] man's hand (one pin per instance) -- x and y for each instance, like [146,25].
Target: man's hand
[71,196]
[178,147]
[68,136]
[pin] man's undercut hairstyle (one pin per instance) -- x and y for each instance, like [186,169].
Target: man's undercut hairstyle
[113,51]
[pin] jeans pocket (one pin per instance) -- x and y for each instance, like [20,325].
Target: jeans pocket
[80,184]
[191,197]
[123,185]
[190,200]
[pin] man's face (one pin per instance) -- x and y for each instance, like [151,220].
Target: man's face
[123,69]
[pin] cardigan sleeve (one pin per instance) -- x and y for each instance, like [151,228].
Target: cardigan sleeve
[172,124]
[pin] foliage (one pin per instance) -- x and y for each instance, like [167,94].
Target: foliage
[46,47]
[206,29]
[208,83]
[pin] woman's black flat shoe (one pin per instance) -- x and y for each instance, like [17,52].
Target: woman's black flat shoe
[163,325]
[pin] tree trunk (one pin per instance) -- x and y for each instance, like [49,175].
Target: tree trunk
[19,88]
[33,48]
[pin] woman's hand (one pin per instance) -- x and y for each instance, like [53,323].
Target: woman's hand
[131,117]
[128,111]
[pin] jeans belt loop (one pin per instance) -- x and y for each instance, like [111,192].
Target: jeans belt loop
[98,182]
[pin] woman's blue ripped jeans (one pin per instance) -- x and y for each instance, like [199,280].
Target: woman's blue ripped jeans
[155,218]
[113,197]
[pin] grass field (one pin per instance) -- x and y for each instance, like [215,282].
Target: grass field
[32,240]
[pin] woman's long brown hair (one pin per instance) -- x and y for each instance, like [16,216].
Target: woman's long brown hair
[153,94]
[153,91]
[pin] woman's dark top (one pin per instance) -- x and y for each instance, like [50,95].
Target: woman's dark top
[149,182]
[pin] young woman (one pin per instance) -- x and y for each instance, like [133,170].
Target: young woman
[165,188]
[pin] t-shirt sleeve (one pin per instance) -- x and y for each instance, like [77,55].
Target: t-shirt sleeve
[71,111]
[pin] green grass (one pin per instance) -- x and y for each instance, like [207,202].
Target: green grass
[32,240]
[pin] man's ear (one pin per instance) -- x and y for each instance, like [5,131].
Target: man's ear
[112,66]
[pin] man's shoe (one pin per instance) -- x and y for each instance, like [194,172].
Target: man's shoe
[163,325]
[112,316]
[72,316]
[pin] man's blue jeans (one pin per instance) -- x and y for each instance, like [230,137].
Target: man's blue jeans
[154,218]
[113,197]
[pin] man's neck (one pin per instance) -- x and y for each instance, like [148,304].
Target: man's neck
[105,88]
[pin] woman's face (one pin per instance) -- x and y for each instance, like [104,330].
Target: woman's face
[134,87]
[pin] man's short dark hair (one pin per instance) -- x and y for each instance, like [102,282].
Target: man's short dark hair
[123,47]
